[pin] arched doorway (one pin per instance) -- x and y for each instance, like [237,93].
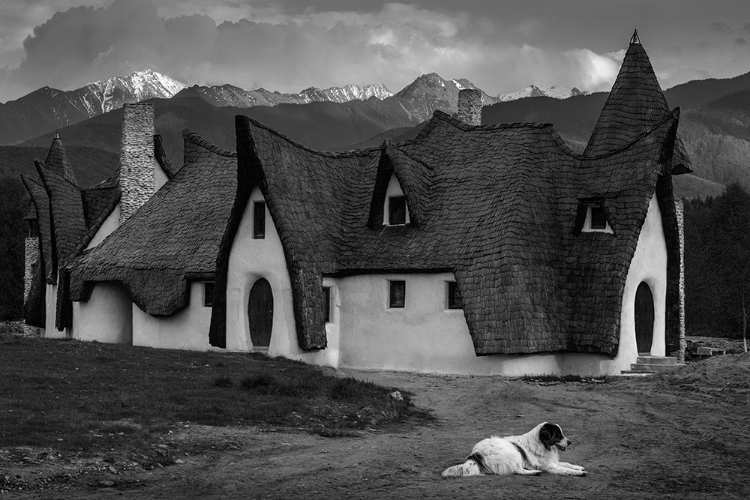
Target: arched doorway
[644,318]
[260,313]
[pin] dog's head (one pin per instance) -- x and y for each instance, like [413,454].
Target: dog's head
[551,435]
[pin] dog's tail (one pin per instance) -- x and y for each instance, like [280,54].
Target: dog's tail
[473,466]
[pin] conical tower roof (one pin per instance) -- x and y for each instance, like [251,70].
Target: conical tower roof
[635,103]
[57,159]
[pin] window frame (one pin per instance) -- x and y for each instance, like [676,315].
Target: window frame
[598,223]
[453,297]
[259,222]
[401,200]
[208,293]
[393,292]
[327,298]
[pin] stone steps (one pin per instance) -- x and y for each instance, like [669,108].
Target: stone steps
[647,365]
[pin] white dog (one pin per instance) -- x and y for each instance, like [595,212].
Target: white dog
[529,454]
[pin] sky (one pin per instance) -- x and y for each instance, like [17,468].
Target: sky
[289,45]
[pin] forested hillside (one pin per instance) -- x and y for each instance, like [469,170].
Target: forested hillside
[717,263]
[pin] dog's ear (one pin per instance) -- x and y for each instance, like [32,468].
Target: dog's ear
[550,434]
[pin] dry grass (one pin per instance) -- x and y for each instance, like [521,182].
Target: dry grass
[83,397]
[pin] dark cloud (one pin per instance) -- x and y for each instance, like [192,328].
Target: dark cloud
[722,28]
[288,45]
[746,28]
[740,41]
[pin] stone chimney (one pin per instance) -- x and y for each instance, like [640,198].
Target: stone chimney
[470,106]
[31,257]
[680,213]
[136,158]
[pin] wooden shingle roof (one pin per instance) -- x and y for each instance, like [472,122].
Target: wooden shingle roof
[57,160]
[635,103]
[39,198]
[66,207]
[172,238]
[497,205]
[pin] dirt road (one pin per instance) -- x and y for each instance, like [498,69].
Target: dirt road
[669,437]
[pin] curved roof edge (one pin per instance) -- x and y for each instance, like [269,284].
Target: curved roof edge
[198,140]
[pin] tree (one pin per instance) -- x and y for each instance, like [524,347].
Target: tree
[13,201]
[730,250]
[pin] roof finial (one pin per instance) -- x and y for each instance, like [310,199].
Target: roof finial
[634,39]
[57,134]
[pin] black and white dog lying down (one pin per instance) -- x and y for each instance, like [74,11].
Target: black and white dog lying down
[528,454]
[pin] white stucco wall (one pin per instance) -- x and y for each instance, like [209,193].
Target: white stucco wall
[106,317]
[250,260]
[160,177]
[649,265]
[188,329]
[111,223]
[424,336]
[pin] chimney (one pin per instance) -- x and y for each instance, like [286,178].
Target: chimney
[470,106]
[136,158]
[32,257]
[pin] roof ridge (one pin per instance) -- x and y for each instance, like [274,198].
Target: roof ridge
[408,155]
[330,154]
[674,114]
[442,115]
[62,176]
[198,140]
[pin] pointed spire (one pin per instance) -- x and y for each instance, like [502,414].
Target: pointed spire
[635,103]
[634,40]
[57,159]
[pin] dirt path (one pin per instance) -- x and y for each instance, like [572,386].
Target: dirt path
[636,439]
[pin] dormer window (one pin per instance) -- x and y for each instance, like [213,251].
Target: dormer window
[395,209]
[596,219]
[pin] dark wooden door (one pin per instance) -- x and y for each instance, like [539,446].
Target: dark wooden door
[644,318]
[260,313]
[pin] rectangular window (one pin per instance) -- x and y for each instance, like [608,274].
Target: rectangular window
[396,210]
[208,294]
[327,303]
[259,220]
[397,296]
[454,298]
[598,219]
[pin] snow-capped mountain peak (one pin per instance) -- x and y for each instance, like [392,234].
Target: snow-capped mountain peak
[346,93]
[534,91]
[112,93]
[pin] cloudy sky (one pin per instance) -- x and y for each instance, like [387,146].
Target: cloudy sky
[288,45]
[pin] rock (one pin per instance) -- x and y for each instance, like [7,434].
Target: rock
[397,396]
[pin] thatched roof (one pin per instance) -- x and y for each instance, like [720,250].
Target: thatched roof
[635,103]
[498,205]
[172,238]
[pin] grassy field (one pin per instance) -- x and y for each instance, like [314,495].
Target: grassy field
[85,397]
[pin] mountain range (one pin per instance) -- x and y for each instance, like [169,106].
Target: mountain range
[715,119]
[47,109]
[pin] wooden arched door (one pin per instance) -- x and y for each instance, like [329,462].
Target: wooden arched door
[644,318]
[260,313]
